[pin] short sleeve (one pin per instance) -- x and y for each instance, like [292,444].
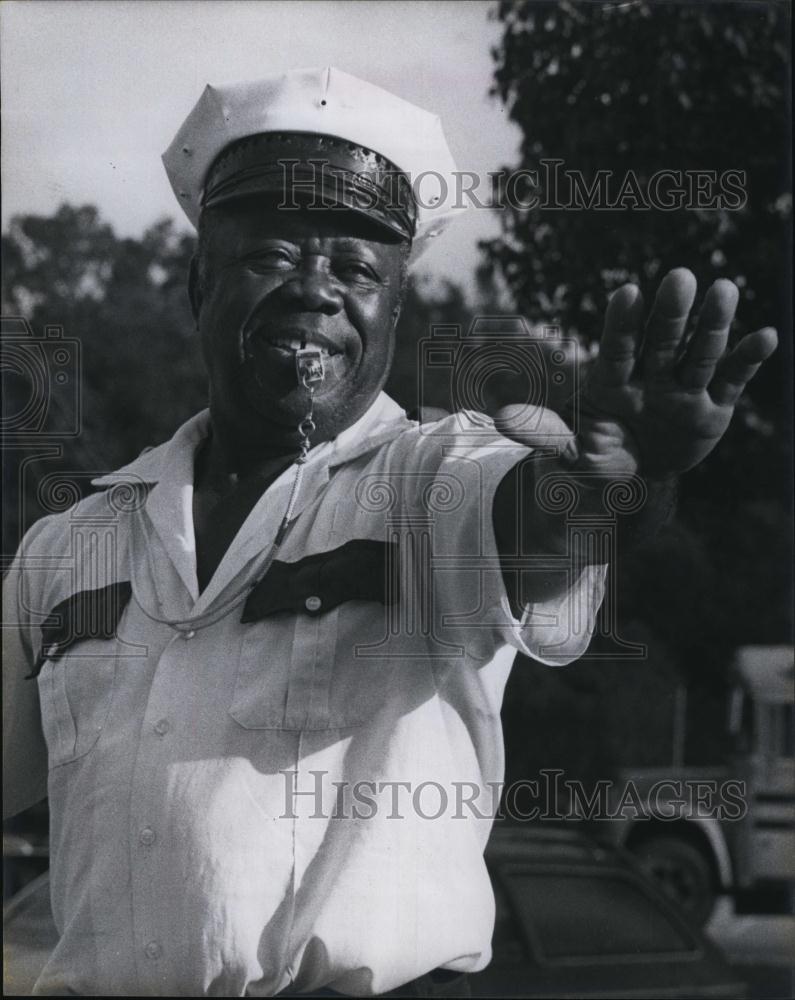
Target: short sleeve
[471,604]
[24,748]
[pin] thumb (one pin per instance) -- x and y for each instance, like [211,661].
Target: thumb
[535,427]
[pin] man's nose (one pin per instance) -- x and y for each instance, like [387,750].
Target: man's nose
[314,289]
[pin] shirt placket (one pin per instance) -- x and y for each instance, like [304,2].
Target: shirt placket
[158,960]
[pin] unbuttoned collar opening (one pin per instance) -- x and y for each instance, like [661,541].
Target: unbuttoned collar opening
[381,422]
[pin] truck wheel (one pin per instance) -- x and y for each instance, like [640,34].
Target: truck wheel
[683,872]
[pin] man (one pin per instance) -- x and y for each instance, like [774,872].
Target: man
[264,646]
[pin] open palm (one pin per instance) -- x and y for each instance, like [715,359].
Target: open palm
[656,402]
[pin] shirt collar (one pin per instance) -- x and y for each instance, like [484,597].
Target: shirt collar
[166,473]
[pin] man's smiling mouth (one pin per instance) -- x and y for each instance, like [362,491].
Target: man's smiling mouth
[271,356]
[287,338]
[294,344]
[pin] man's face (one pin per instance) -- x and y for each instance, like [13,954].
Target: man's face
[282,279]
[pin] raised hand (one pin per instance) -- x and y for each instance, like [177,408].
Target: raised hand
[655,402]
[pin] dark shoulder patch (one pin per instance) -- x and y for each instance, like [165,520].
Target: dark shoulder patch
[359,570]
[88,614]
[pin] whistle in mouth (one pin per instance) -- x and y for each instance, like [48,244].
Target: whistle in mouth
[309,365]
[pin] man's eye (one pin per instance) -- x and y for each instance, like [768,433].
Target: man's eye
[270,260]
[355,270]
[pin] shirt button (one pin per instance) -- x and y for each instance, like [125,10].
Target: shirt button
[153,950]
[147,836]
[189,634]
[162,726]
[313,603]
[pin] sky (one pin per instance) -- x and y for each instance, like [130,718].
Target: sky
[94,90]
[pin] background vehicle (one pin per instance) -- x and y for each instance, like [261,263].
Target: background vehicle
[699,854]
[576,919]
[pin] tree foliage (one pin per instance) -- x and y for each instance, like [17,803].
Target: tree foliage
[632,89]
[124,301]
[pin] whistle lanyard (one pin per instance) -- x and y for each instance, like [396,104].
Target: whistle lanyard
[310,372]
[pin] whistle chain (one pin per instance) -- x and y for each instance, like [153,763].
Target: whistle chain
[309,364]
[309,374]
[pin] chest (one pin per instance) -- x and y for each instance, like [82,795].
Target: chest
[348,625]
[308,652]
[218,517]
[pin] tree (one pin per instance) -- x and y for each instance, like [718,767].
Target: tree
[124,301]
[630,89]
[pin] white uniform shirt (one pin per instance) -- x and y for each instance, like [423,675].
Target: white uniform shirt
[368,681]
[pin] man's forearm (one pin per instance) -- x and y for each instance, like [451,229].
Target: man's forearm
[544,514]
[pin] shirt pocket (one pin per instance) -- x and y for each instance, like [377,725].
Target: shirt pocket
[298,667]
[76,670]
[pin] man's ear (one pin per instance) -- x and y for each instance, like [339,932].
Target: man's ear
[194,289]
[397,311]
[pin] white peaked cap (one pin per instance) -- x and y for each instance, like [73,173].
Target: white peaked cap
[324,101]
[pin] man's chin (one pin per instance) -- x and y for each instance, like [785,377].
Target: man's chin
[332,410]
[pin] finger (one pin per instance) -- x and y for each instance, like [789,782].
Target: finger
[667,323]
[739,367]
[708,343]
[619,345]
